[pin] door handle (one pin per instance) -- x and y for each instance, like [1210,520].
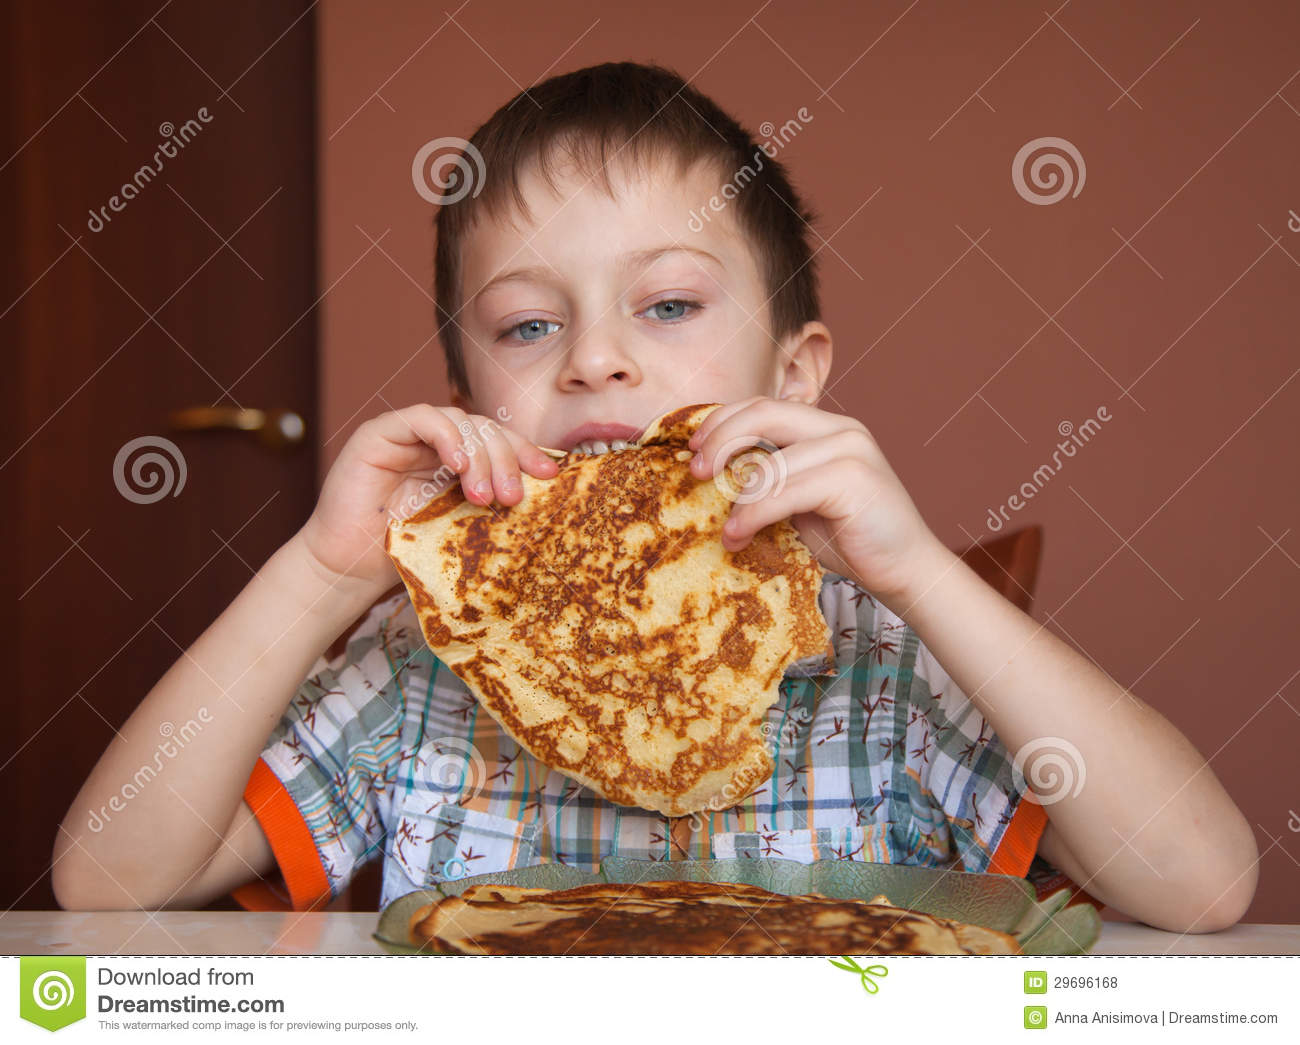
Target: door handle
[279,429]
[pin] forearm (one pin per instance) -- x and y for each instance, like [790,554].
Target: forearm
[167,788]
[1150,825]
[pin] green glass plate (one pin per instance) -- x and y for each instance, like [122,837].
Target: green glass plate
[996,901]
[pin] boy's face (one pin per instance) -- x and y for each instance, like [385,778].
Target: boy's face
[600,309]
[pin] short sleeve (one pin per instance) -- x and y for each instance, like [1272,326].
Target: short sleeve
[321,789]
[965,773]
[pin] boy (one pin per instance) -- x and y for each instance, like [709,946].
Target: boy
[580,297]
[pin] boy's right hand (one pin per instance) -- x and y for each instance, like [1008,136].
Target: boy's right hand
[388,469]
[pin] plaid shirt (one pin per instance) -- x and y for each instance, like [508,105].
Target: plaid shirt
[385,752]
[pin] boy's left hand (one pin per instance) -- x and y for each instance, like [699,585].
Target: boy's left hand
[828,476]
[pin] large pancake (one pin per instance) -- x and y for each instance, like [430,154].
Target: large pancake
[603,625]
[689,918]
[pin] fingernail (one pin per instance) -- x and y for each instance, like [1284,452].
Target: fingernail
[483,489]
[510,484]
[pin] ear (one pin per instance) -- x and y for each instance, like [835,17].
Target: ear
[803,363]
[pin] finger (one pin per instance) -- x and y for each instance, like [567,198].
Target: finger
[817,443]
[817,490]
[769,423]
[530,456]
[754,473]
[716,417]
[476,438]
[507,485]
[412,430]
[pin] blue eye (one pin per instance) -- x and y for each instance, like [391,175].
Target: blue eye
[670,310]
[532,329]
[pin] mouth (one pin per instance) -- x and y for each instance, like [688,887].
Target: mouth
[598,437]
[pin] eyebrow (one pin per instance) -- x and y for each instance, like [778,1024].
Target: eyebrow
[638,259]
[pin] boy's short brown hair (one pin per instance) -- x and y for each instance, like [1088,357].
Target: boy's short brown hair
[639,113]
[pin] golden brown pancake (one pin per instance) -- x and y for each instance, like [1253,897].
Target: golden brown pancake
[603,625]
[688,918]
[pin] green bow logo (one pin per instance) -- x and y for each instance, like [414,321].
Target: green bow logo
[52,990]
[868,984]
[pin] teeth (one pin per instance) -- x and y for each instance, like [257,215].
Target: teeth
[601,446]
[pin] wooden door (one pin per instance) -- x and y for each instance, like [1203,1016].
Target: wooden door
[158,197]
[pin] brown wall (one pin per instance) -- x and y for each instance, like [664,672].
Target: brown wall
[970,324]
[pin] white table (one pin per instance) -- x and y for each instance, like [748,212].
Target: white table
[242,932]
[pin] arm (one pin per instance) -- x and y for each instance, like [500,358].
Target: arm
[185,836]
[1152,831]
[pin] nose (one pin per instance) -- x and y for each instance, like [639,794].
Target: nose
[596,359]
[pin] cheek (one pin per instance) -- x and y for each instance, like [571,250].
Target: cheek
[726,373]
[517,413]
